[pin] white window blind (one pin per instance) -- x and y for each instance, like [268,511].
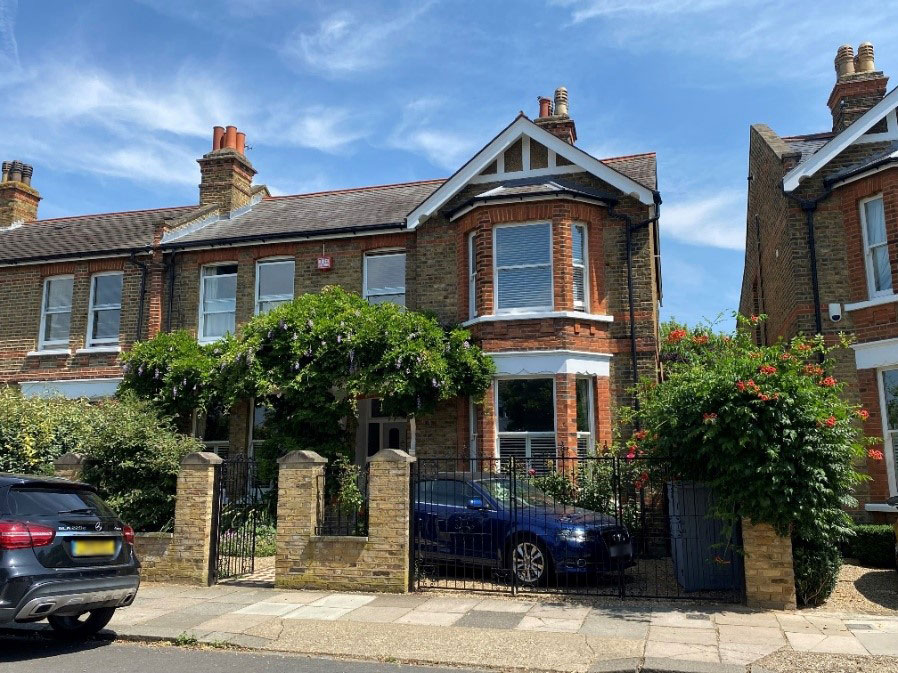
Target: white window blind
[523,267]
[385,278]
[578,239]
[472,277]
[218,301]
[56,311]
[879,272]
[274,283]
[105,309]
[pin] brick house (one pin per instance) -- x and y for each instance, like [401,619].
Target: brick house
[549,255]
[822,246]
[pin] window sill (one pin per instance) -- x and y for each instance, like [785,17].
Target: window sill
[537,315]
[49,352]
[879,507]
[98,350]
[876,301]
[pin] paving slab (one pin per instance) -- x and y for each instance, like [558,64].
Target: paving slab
[459,605]
[796,624]
[750,634]
[879,643]
[398,601]
[667,665]
[296,597]
[689,651]
[675,634]
[835,644]
[427,618]
[629,665]
[376,615]
[320,612]
[612,627]
[351,601]
[179,621]
[552,624]
[555,611]
[132,616]
[682,619]
[738,618]
[499,605]
[484,619]
[233,623]
[267,609]
[745,653]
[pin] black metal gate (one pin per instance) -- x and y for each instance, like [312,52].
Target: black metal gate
[596,525]
[239,510]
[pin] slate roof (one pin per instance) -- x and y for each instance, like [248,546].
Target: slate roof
[807,144]
[84,234]
[873,161]
[533,187]
[640,167]
[320,212]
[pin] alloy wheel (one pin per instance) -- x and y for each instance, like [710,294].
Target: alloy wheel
[528,562]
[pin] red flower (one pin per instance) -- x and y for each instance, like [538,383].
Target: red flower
[752,385]
[863,414]
[640,434]
[763,397]
[813,370]
[700,339]
[754,320]
[710,418]
[786,356]
[638,485]
[740,385]
[676,335]
[531,472]
[631,455]
[874,454]
[803,347]
[830,422]
[828,382]
[767,369]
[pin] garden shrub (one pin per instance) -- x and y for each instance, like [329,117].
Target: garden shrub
[872,545]
[816,568]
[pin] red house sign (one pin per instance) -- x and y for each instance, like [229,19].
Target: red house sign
[325,263]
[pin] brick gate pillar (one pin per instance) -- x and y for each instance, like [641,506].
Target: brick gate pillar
[195,510]
[300,499]
[769,574]
[389,472]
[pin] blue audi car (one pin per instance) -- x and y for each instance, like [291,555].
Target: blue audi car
[493,520]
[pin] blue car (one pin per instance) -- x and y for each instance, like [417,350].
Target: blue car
[493,520]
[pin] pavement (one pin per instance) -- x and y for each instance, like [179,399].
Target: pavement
[493,632]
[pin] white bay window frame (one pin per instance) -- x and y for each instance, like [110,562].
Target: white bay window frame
[275,299]
[53,344]
[202,337]
[582,267]
[497,270]
[94,308]
[871,250]
[472,275]
[529,438]
[889,434]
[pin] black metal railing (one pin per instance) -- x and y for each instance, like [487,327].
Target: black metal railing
[343,501]
[565,523]
[240,511]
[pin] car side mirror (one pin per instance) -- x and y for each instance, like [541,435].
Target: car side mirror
[476,503]
[893,501]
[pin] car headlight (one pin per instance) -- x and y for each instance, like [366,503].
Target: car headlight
[573,534]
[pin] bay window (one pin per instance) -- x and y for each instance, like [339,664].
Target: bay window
[472,277]
[889,383]
[105,309]
[526,421]
[56,312]
[876,249]
[523,267]
[384,277]
[585,418]
[274,283]
[218,301]
[578,240]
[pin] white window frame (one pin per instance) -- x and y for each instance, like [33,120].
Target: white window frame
[527,436]
[387,252]
[583,305]
[259,300]
[523,309]
[591,410]
[472,277]
[888,441]
[201,322]
[92,310]
[43,344]
[872,292]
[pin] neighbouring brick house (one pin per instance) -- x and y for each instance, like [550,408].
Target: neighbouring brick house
[548,255]
[822,246]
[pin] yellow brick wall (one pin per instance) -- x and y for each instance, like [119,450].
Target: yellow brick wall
[769,575]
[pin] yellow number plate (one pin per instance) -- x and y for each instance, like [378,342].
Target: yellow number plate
[93,547]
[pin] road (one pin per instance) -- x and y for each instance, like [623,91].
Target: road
[40,655]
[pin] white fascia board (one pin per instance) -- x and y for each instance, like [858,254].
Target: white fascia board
[71,388]
[875,354]
[842,141]
[541,363]
[500,143]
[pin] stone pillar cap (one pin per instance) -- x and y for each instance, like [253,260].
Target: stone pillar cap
[391,455]
[70,459]
[302,458]
[201,458]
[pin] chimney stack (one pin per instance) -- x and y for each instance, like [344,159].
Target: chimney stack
[859,85]
[557,121]
[226,173]
[18,199]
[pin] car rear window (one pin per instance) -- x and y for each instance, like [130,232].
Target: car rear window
[49,500]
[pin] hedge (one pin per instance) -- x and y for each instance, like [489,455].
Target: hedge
[872,545]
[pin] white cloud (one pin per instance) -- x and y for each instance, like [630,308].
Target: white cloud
[347,42]
[447,148]
[9,49]
[328,129]
[717,220]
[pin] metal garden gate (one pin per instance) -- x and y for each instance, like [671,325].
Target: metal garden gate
[238,513]
[596,525]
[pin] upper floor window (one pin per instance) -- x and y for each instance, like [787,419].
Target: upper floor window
[105,309]
[56,312]
[523,267]
[578,239]
[274,283]
[876,249]
[385,277]
[472,277]
[218,301]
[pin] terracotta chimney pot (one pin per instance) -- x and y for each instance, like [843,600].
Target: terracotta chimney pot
[230,141]
[15,172]
[241,142]
[5,176]
[27,172]
[545,106]
[217,135]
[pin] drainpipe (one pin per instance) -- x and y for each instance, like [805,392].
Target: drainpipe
[631,228]
[809,206]
[144,271]
[171,290]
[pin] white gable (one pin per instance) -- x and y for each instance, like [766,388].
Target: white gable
[854,134]
[523,128]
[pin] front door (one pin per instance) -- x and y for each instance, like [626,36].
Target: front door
[377,431]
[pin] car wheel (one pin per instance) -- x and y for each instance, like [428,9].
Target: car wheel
[81,626]
[530,562]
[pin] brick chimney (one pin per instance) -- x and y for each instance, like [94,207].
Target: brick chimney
[557,122]
[18,199]
[859,85]
[226,174]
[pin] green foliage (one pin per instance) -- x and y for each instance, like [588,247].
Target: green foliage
[765,427]
[35,431]
[341,486]
[872,545]
[266,540]
[134,461]
[816,567]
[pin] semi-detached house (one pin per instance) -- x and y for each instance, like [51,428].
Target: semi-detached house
[548,255]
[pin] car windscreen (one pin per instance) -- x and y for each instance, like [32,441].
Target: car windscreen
[525,494]
[49,500]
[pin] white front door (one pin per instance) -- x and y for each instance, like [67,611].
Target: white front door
[377,432]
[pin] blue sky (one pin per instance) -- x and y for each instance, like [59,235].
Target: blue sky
[113,101]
